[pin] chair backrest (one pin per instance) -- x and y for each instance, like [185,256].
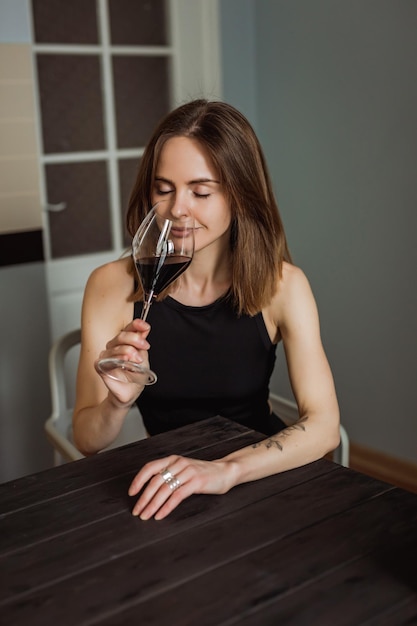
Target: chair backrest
[62,372]
[63,359]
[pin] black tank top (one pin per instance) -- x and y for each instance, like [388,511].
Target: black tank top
[209,361]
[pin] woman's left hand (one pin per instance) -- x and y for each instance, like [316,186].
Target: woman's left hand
[172,479]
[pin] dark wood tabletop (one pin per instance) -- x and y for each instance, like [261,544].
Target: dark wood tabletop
[318,545]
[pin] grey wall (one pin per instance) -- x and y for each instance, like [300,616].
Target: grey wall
[24,384]
[239,55]
[336,102]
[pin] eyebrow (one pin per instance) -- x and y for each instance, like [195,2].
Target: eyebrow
[196,181]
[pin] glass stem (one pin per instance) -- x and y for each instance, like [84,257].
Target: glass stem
[145,308]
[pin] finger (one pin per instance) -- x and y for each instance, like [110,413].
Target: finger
[159,489]
[183,492]
[146,507]
[153,498]
[123,353]
[135,339]
[152,488]
[166,500]
[139,325]
[148,471]
[128,338]
[187,487]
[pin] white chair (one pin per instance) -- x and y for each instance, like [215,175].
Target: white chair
[288,412]
[63,359]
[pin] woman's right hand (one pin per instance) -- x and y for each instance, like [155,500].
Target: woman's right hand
[129,344]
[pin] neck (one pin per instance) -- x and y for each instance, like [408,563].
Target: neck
[206,279]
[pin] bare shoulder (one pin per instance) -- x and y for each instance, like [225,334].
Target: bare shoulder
[112,279]
[293,283]
[291,286]
[107,294]
[294,299]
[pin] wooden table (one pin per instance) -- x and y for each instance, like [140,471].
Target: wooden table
[321,544]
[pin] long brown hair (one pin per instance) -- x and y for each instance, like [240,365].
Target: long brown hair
[257,239]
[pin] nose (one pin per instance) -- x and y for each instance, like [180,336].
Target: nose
[180,206]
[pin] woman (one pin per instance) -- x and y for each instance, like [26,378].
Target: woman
[218,327]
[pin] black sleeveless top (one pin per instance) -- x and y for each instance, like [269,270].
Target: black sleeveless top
[209,362]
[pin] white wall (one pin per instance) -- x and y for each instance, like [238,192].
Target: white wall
[336,113]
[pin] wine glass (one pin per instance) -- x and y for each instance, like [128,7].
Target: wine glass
[162,249]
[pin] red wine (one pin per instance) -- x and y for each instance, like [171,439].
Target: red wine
[156,273]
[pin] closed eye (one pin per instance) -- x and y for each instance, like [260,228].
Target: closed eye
[201,195]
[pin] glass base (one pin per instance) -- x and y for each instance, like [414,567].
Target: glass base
[126,371]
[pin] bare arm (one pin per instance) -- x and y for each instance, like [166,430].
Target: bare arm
[317,431]
[315,434]
[107,330]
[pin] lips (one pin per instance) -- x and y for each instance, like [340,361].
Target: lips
[180,232]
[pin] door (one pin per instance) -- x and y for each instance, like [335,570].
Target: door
[107,71]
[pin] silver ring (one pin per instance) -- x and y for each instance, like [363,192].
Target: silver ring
[167,476]
[174,484]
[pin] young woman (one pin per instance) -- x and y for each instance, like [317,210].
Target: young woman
[212,339]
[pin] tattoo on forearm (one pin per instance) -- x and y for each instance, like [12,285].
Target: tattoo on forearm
[276,441]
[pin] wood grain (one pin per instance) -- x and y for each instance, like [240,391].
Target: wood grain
[321,544]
